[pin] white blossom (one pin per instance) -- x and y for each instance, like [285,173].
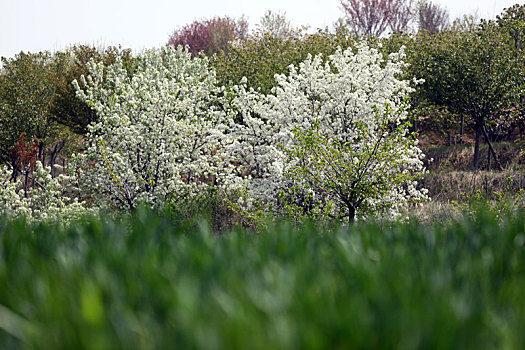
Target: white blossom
[48,199]
[355,100]
[162,131]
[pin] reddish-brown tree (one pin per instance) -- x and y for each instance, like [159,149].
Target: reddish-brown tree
[24,155]
[210,35]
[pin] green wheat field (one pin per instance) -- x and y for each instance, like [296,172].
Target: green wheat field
[142,281]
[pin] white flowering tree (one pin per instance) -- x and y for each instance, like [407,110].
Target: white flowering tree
[48,199]
[162,131]
[332,139]
[12,202]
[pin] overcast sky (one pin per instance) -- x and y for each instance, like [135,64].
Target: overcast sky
[35,25]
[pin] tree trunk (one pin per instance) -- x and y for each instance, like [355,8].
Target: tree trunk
[53,154]
[476,146]
[488,159]
[351,212]
[14,174]
[462,129]
[491,149]
[41,153]
[26,183]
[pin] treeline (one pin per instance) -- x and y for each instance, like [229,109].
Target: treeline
[471,75]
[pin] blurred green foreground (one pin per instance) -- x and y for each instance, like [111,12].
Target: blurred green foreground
[144,282]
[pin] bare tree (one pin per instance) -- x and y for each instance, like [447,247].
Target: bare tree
[467,23]
[431,17]
[210,35]
[375,17]
[275,24]
[401,15]
[368,17]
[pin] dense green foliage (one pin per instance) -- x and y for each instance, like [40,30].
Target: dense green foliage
[473,74]
[71,64]
[26,95]
[144,282]
[259,58]
[38,100]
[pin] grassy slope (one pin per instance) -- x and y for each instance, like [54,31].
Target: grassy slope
[451,177]
[141,282]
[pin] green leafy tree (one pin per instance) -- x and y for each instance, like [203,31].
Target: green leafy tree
[26,95]
[38,100]
[512,20]
[474,73]
[70,65]
[259,58]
